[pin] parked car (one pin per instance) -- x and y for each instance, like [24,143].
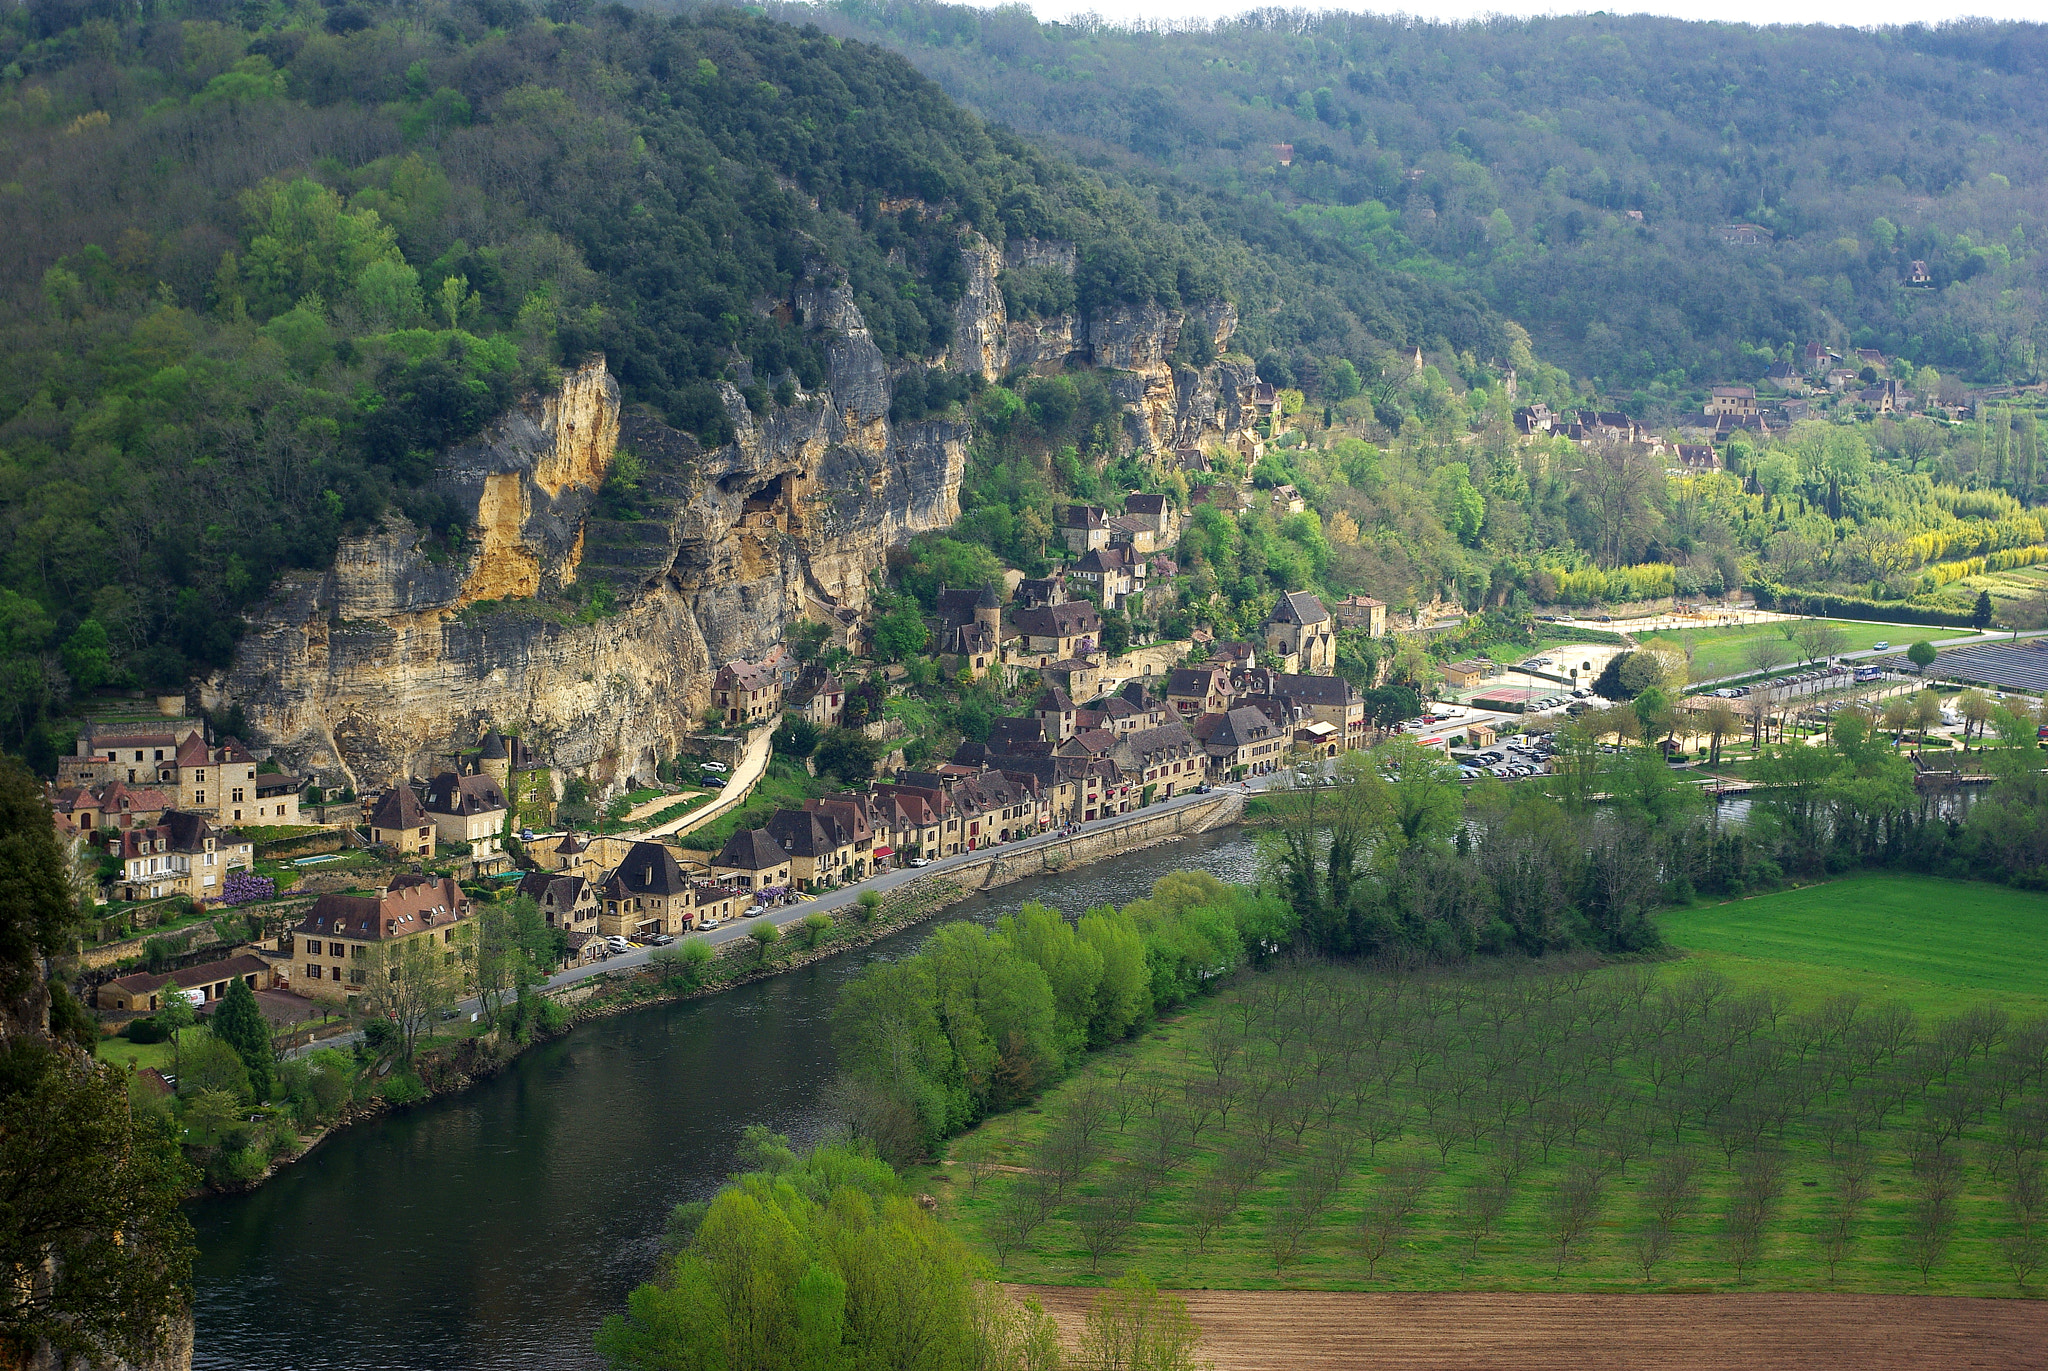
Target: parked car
[919,861]
[617,943]
[661,940]
[1202,789]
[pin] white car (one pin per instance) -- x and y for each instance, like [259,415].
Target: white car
[713,766]
[919,861]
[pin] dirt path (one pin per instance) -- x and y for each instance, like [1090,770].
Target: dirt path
[1327,1330]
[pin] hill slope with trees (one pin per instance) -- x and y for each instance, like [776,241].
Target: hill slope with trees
[261,266]
[1584,174]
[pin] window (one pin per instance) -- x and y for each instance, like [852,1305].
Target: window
[358,952]
[199,797]
[356,975]
[312,947]
[237,796]
[312,971]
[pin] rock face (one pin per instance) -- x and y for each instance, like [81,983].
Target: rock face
[388,663]
[592,617]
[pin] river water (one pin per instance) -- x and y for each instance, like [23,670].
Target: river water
[494,1229]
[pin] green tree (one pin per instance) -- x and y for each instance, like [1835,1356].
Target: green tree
[239,1023]
[1135,1326]
[900,633]
[1072,967]
[87,658]
[37,907]
[765,935]
[848,754]
[795,737]
[821,1263]
[1980,614]
[206,1062]
[1922,654]
[77,1168]
[410,983]
[509,953]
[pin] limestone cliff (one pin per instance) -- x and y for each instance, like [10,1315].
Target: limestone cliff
[381,667]
[593,617]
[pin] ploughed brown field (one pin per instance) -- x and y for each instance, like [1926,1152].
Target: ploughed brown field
[1309,1330]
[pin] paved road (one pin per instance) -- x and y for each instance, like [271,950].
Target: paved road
[846,895]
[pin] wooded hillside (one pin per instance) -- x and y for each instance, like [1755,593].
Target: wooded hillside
[1585,174]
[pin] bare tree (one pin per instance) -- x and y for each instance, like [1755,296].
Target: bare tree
[1479,1209]
[1389,1210]
[1931,1217]
[410,983]
[2026,1200]
[1571,1208]
[1851,1176]
[1020,1211]
[1649,1246]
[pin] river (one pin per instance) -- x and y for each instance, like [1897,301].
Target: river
[495,1228]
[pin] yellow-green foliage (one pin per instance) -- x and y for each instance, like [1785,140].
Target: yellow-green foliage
[1646,581]
[1944,573]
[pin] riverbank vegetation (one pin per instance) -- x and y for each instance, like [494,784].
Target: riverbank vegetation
[1538,1125]
[981,1019]
[814,1262]
[824,1260]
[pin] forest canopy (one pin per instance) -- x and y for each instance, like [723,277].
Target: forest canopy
[1663,204]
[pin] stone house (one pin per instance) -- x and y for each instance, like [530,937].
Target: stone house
[1329,700]
[745,694]
[400,820]
[1468,673]
[567,902]
[968,625]
[1300,635]
[1156,510]
[1077,676]
[1113,574]
[110,804]
[823,703]
[1197,690]
[1731,400]
[145,992]
[333,951]
[468,809]
[1167,757]
[1242,742]
[820,852]
[752,860]
[182,854]
[1084,527]
[1056,632]
[929,825]
[1362,611]
[276,798]
[645,893]
[135,751]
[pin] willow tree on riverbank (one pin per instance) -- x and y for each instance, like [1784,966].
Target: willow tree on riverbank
[821,1263]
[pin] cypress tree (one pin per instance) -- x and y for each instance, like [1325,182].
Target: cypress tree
[239,1023]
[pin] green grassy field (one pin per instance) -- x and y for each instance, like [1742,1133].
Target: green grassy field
[1937,945]
[1719,652]
[1445,1099]
[785,786]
